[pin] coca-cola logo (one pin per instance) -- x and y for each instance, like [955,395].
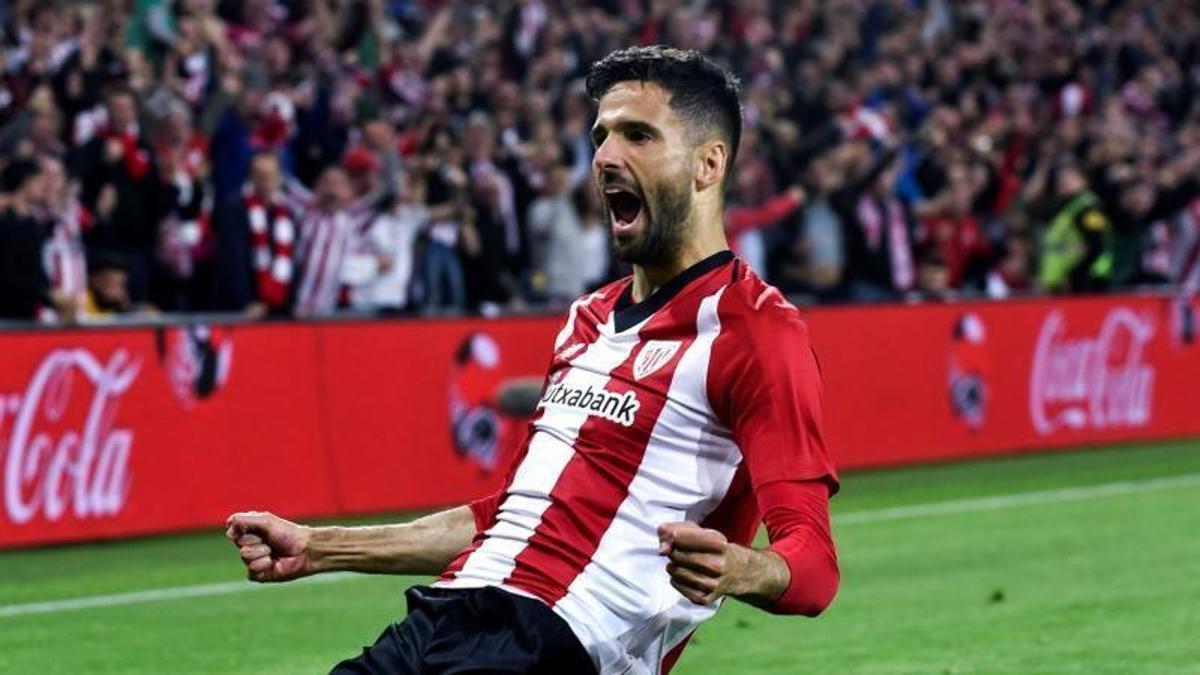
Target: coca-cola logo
[1092,382]
[53,463]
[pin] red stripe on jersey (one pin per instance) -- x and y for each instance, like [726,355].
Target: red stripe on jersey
[672,656]
[732,518]
[587,495]
[486,509]
[460,560]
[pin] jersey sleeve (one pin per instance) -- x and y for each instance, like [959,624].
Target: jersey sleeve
[796,514]
[765,386]
[484,510]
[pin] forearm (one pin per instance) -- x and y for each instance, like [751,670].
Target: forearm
[762,576]
[802,552]
[424,546]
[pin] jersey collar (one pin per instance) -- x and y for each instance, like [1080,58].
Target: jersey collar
[627,313]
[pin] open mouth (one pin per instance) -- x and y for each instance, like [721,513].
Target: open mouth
[625,206]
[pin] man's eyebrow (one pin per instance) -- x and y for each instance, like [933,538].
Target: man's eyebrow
[599,131]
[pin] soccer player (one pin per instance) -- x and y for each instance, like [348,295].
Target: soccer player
[681,407]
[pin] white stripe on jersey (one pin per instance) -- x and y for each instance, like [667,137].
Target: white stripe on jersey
[550,449]
[685,472]
[568,328]
[316,235]
[519,515]
[329,236]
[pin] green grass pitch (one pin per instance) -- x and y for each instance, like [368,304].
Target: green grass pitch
[1082,562]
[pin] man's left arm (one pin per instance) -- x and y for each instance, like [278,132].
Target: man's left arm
[796,574]
[766,385]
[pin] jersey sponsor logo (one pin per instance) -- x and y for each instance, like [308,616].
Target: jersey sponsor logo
[654,355]
[619,408]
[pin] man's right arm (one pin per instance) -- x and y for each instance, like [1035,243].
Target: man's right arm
[424,546]
[274,549]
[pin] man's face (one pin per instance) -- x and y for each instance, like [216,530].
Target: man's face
[1071,182]
[31,191]
[122,111]
[110,289]
[333,189]
[264,175]
[54,180]
[1139,198]
[44,129]
[643,169]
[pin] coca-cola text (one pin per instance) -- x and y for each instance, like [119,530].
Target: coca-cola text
[84,469]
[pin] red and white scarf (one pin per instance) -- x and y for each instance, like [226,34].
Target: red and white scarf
[899,248]
[272,236]
[135,159]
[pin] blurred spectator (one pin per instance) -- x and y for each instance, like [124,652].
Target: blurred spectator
[379,269]
[1077,253]
[559,243]
[185,239]
[24,286]
[331,220]
[879,232]
[64,257]
[954,234]
[816,259]
[121,186]
[108,288]
[494,273]
[256,235]
[444,285]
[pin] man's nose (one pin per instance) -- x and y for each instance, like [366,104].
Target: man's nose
[608,156]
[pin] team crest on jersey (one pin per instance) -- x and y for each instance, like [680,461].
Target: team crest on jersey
[654,355]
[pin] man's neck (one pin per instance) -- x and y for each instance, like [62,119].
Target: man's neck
[706,241]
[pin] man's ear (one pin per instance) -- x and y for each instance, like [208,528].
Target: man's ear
[710,164]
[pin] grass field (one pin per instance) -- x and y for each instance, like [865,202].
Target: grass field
[1085,562]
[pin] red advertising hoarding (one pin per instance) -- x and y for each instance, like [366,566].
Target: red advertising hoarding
[939,382]
[115,432]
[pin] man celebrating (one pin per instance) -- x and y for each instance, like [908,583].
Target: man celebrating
[682,405]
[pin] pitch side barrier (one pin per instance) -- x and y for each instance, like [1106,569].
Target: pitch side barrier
[128,430]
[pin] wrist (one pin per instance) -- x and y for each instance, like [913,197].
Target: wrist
[761,575]
[314,544]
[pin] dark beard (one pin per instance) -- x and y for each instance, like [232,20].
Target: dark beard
[666,212]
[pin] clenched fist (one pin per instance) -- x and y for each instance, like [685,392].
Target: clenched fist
[272,548]
[704,566]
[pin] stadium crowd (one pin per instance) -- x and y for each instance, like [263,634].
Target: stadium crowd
[304,157]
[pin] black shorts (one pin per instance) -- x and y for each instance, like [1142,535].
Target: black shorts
[481,630]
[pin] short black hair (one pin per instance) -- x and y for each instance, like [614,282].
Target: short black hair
[16,173]
[104,260]
[702,92]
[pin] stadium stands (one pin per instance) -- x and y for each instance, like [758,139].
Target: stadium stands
[422,157]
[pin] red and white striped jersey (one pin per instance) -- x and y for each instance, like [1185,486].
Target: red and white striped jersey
[326,238]
[671,409]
